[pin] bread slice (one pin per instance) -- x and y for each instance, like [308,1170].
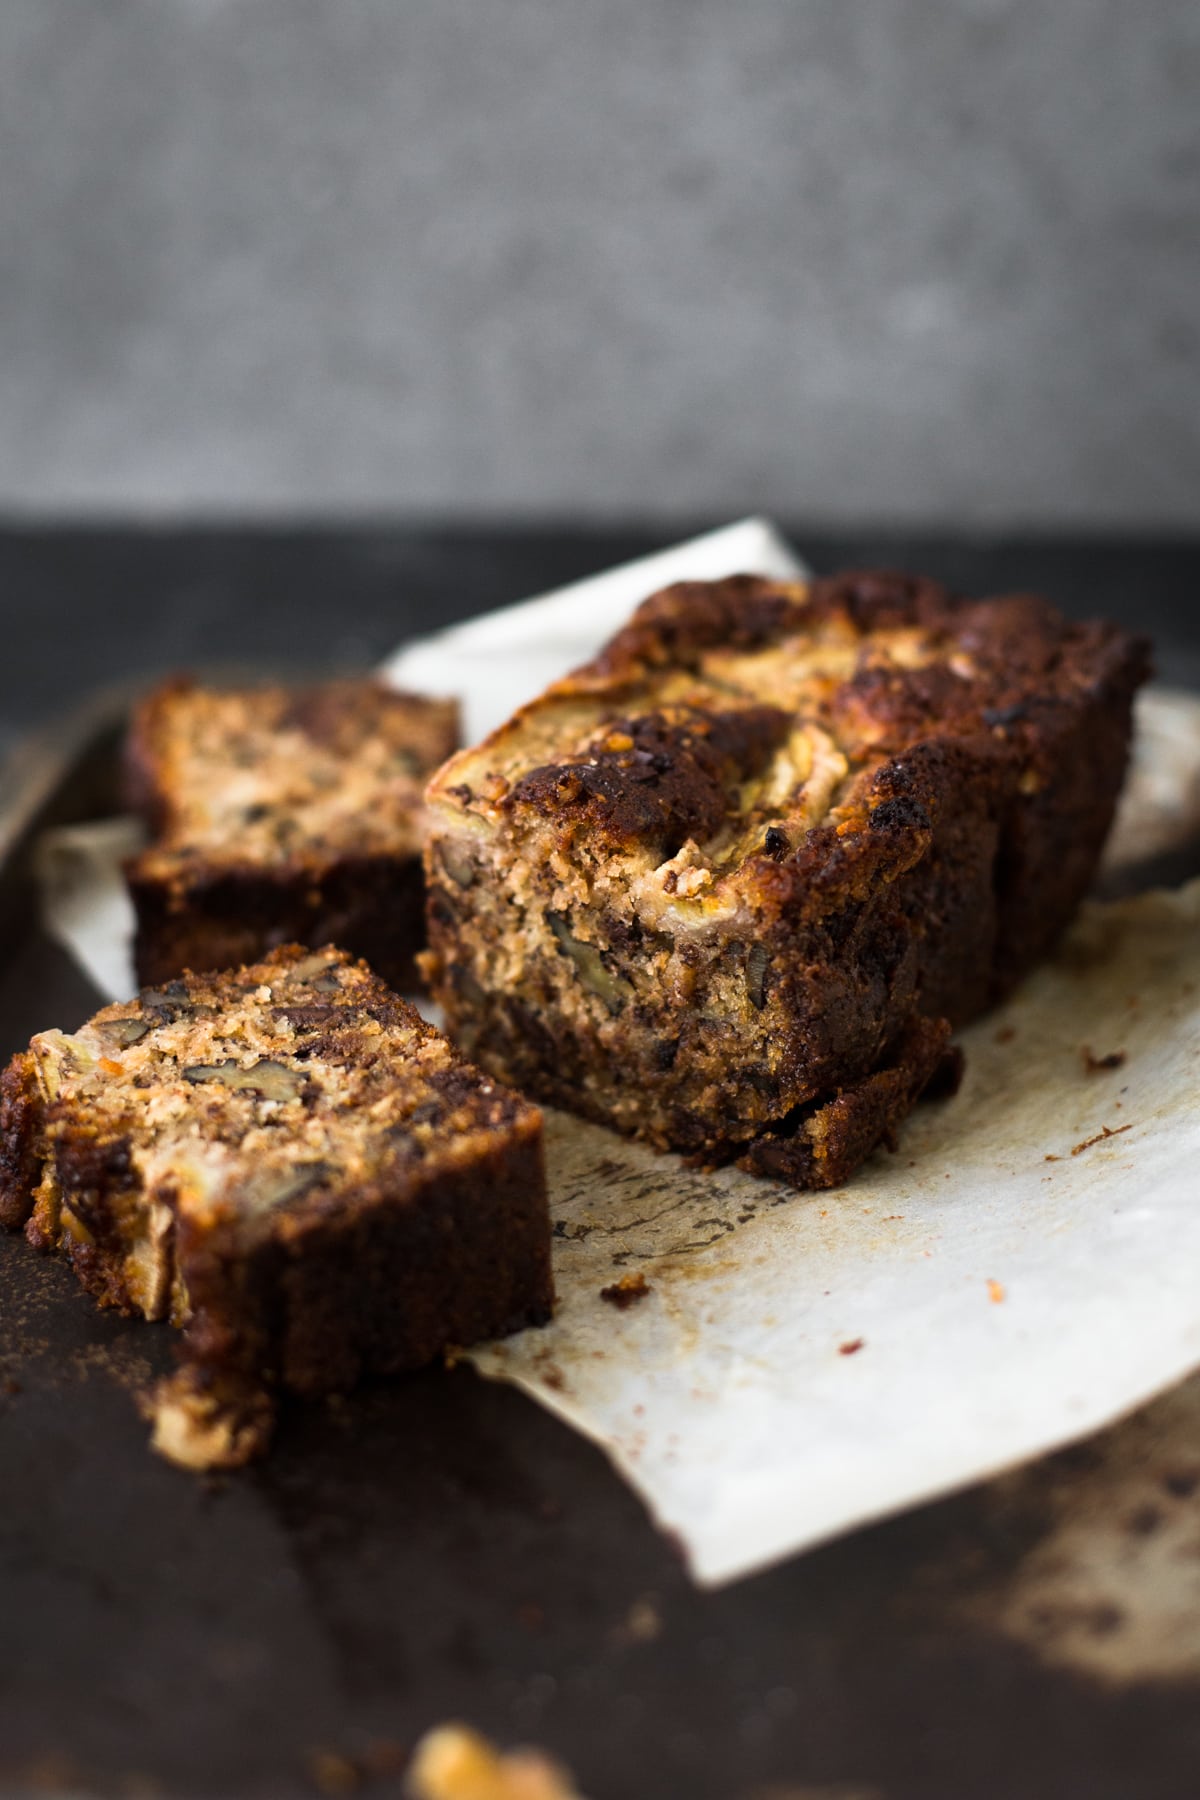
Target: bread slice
[730,886]
[281,815]
[289,1163]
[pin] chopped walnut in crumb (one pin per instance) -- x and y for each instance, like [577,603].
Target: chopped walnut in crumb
[455,1763]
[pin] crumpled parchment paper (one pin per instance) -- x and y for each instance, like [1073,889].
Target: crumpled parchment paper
[1020,1272]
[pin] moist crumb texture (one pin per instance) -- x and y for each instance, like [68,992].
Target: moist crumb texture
[291,1165]
[281,815]
[730,886]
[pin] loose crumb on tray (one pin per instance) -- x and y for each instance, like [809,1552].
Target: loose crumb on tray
[334,1774]
[453,1762]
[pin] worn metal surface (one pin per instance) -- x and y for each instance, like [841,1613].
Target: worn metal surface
[440,1547]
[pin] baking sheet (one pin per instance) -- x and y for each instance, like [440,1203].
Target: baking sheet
[1014,1277]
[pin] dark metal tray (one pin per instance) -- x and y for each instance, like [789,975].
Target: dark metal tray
[440,1548]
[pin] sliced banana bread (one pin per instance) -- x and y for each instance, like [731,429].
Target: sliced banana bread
[292,1165]
[730,886]
[281,815]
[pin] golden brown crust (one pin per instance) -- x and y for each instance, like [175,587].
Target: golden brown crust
[655,780]
[715,879]
[823,1144]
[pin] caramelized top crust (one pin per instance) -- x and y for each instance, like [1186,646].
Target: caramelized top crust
[253,1099]
[745,746]
[659,779]
[270,777]
[673,625]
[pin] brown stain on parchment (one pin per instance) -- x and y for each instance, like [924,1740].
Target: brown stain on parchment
[1112,1587]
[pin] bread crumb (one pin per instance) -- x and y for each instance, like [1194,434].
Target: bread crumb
[852,1347]
[995,1292]
[643,1623]
[202,1422]
[626,1291]
[333,1773]
[453,1762]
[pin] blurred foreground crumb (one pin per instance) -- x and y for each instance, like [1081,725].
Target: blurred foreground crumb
[453,1763]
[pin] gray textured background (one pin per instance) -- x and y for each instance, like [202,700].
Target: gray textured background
[900,259]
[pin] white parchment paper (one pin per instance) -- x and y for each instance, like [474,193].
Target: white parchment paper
[803,1363]
[1022,1271]
[496,662]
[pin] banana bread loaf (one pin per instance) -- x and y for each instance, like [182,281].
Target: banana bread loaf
[281,815]
[289,1163]
[730,886]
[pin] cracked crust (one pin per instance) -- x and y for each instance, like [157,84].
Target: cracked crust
[281,815]
[729,886]
[288,1162]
